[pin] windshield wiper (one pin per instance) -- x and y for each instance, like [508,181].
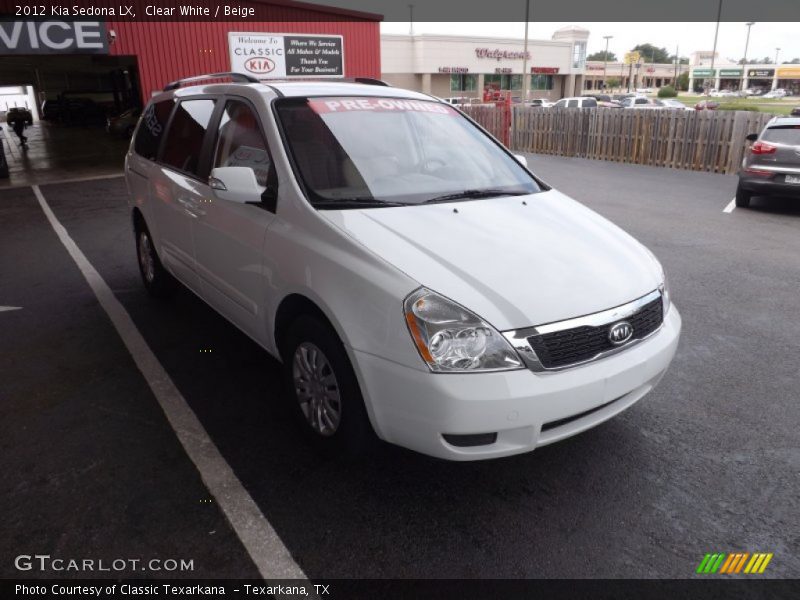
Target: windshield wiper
[360,202]
[473,194]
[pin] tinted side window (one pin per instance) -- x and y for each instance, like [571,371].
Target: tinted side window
[572,104]
[186,133]
[151,130]
[240,143]
[561,104]
[589,103]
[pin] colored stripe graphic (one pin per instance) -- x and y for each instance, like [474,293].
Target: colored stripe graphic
[719,562]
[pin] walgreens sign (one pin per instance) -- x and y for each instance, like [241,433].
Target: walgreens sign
[498,54]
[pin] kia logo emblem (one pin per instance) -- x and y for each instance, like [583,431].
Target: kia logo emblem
[259,65]
[620,333]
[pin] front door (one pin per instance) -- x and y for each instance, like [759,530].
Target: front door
[229,236]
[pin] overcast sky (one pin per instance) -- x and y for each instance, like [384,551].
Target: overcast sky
[764,37]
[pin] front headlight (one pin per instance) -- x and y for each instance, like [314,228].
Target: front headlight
[664,287]
[450,338]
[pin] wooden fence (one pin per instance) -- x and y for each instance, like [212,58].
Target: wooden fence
[699,140]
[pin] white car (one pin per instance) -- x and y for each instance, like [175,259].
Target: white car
[575,102]
[416,280]
[776,93]
[675,104]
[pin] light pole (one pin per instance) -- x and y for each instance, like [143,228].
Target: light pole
[605,59]
[410,19]
[777,51]
[747,41]
[714,51]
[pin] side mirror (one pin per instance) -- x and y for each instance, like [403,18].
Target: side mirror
[235,184]
[751,137]
[522,160]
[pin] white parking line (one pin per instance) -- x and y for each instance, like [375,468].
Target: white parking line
[730,207]
[262,543]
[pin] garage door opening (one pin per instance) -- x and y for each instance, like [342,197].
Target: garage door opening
[82,111]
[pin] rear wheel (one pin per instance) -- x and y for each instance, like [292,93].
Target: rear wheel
[742,197]
[323,389]
[156,280]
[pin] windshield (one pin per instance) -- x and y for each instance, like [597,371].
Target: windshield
[390,151]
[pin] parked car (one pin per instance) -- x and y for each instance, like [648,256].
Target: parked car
[706,105]
[19,113]
[776,93]
[73,110]
[723,94]
[674,104]
[771,166]
[415,279]
[795,111]
[538,102]
[457,100]
[638,101]
[644,90]
[124,123]
[577,102]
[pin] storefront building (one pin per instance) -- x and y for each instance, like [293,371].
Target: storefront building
[726,76]
[480,67]
[618,75]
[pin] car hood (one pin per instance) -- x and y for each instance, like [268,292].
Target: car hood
[515,261]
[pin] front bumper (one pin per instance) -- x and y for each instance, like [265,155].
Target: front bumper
[415,408]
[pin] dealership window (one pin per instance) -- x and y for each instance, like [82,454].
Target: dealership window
[503,82]
[462,82]
[579,55]
[541,82]
[151,129]
[240,143]
[186,133]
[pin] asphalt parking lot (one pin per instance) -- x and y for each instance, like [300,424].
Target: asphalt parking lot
[710,461]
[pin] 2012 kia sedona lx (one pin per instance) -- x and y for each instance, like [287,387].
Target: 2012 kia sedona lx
[415,279]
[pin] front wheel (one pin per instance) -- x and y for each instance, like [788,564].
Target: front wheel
[324,391]
[742,197]
[156,280]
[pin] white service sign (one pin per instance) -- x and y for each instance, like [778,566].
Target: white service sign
[285,55]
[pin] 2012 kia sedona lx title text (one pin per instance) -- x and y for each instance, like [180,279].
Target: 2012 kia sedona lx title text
[415,279]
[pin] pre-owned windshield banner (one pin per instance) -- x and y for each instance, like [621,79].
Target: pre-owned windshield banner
[332,105]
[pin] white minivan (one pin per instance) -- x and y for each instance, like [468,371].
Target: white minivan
[417,281]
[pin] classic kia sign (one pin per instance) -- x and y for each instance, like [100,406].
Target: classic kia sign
[279,56]
[53,37]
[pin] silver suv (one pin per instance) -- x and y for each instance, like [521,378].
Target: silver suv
[771,167]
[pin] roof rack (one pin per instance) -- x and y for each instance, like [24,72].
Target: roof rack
[370,81]
[237,77]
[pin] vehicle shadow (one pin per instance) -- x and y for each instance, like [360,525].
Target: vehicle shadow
[394,513]
[776,205]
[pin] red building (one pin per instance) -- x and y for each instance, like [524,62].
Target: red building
[127,60]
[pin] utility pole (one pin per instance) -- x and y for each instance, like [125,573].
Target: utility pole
[605,60]
[525,79]
[410,19]
[714,51]
[777,51]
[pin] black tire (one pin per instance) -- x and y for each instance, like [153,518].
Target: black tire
[353,435]
[158,282]
[742,197]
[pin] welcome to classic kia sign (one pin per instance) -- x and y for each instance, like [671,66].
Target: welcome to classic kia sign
[280,56]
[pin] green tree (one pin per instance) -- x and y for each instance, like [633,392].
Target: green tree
[612,82]
[652,54]
[683,81]
[601,56]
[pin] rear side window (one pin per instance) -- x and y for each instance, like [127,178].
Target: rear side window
[787,134]
[589,103]
[572,104]
[187,131]
[240,143]
[151,130]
